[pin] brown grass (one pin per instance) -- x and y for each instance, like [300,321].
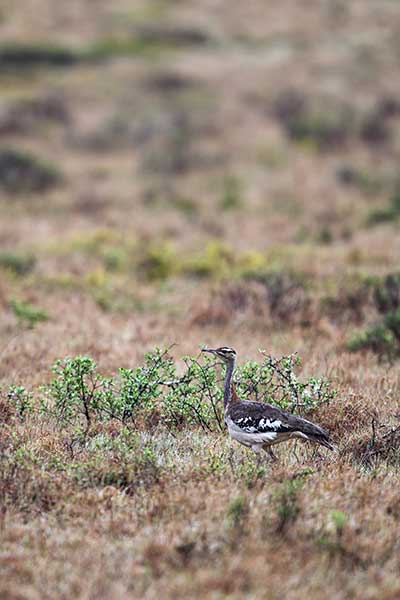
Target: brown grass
[146,140]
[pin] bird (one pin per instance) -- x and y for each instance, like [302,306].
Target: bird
[259,425]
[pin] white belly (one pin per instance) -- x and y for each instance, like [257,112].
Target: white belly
[267,438]
[250,438]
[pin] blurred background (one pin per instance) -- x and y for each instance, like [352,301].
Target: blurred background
[182,171]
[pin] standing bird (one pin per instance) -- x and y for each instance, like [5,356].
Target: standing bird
[258,425]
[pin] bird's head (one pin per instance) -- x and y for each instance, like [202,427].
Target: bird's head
[227,355]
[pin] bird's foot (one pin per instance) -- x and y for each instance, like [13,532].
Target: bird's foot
[272,455]
[231,460]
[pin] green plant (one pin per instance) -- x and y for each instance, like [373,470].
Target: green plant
[231,196]
[217,260]
[288,507]
[21,399]
[339,519]
[237,512]
[381,445]
[158,261]
[275,380]
[156,393]
[389,213]
[19,264]
[383,337]
[141,388]
[324,128]
[77,390]
[125,461]
[332,540]
[285,291]
[25,56]
[22,172]
[377,338]
[27,313]
[369,183]
[195,398]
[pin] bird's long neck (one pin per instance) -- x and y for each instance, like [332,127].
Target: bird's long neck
[230,367]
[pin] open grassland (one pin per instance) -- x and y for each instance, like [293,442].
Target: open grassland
[222,173]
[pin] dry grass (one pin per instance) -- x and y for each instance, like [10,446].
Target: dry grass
[200,199]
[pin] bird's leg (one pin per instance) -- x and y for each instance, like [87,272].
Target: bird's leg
[295,453]
[273,456]
[231,461]
[256,448]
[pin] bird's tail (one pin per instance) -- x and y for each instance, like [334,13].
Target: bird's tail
[324,442]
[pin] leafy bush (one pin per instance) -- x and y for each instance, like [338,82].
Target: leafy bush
[321,123]
[387,294]
[377,338]
[324,129]
[20,264]
[376,127]
[275,381]
[286,294]
[158,261]
[21,399]
[383,337]
[369,183]
[77,390]
[157,393]
[27,115]
[387,214]
[237,513]
[231,196]
[25,56]
[21,172]
[383,443]
[287,501]
[216,260]
[125,461]
[27,313]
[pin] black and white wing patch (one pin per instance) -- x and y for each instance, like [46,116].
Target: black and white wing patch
[253,423]
[256,417]
[261,424]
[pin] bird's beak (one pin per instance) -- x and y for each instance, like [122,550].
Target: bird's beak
[210,350]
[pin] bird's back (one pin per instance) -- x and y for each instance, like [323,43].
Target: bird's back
[261,416]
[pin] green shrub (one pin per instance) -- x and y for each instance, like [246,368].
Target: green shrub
[140,388]
[231,196]
[194,398]
[158,261]
[369,183]
[125,461]
[387,214]
[28,314]
[21,399]
[387,293]
[77,390]
[21,172]
[285,293]
[324,129]
[157,393]
[20,264]
[237,513]
[287,503]
[26,56]
[377,338]
[217,260]
[339,519]
[383,337]
[275,380]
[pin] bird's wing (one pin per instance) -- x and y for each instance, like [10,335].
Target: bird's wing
[259,417]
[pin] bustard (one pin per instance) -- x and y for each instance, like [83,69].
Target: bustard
[259,425]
